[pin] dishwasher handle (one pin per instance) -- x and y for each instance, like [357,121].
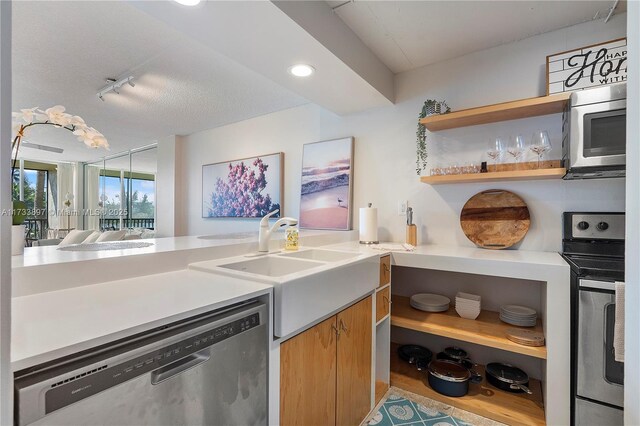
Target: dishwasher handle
[180,366]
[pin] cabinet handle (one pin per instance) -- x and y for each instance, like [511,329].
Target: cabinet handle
[343,327]
[386,300]
[335,330]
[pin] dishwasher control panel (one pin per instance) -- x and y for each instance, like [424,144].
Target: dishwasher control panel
[83,385]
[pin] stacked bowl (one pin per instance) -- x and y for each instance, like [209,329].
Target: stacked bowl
[468,305]
[521,316]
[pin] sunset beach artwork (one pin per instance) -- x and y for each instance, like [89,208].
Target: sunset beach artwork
[326,192]
[249,188]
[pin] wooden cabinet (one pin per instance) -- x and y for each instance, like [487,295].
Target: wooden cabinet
[383,303]
[325,372]
[385,270]
[307,376]
[353,400]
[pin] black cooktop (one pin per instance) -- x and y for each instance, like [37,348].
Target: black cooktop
[597,267]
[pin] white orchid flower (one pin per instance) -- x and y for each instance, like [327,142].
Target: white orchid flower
[77,121]
[27,114]
[100,142]
[57,116]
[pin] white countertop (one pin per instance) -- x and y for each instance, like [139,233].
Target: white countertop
[536,265]
[50,325]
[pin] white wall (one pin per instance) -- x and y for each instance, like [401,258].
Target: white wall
[385,145]
[6,380]
[632,270]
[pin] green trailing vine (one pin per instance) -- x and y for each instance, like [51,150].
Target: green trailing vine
[430,107]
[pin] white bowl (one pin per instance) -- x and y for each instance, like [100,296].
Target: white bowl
[468,314]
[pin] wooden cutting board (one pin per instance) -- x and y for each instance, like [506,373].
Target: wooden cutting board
[495,219]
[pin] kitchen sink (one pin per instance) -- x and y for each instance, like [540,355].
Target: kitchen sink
[307,285]
[321,255]
[271,266]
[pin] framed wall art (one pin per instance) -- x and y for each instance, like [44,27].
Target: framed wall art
[245,188]
[327,185]
[590,66]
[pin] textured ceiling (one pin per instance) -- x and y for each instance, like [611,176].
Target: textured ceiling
[411,34]
[64,51]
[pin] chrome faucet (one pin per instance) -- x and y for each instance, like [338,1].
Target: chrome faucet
[265,232]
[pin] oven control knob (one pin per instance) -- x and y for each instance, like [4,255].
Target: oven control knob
[602,226]
[583,226]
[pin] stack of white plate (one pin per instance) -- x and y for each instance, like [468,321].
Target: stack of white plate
[518,315]
[468,305]
[430,302]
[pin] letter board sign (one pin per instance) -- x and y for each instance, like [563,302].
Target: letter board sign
[589,66]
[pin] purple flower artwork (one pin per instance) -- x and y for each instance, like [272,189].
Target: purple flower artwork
[246,188]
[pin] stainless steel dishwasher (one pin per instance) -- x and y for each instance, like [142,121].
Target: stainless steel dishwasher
[206,370]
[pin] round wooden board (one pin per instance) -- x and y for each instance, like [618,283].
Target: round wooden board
[495,219]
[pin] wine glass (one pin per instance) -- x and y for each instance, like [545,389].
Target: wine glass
[517,147]
[496,148]
[540,143]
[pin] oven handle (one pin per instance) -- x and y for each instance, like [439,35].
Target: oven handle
[179,367]
[601,285]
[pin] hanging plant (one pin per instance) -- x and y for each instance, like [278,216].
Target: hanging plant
[430,107]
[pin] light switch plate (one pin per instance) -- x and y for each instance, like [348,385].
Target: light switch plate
[402,208]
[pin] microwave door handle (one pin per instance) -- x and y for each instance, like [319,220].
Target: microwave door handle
[180,366]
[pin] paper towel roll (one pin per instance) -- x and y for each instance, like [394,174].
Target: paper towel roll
[368,225]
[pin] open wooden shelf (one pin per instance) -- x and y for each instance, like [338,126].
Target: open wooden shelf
[486,330]
[513,110]
[512,175]
[483,399]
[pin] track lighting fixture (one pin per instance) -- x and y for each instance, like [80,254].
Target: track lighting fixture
[113,86]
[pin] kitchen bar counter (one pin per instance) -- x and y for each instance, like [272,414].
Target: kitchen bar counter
[43,269]
[50,325]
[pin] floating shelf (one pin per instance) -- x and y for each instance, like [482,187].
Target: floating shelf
[512,175]
[486,330]
[483,399]
[513,110]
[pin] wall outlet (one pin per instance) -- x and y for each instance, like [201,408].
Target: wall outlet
[402,208]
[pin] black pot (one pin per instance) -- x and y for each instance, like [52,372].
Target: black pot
[451,378]
[416,355]
[453,353]
[507,377]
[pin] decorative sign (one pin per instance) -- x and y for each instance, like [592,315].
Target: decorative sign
[589,66]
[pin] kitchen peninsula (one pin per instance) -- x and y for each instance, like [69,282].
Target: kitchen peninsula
[172,295]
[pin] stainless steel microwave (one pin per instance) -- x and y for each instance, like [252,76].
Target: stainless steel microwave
[594,133]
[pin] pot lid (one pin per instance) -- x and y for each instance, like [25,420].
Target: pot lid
[414,353]
[450,371]
[507,373]
[456,352]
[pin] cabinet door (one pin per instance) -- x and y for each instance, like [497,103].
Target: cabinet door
[385,270]
[353,400]
[383,303]
[308,377]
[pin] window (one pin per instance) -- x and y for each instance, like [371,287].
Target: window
[35,184]
[143,198]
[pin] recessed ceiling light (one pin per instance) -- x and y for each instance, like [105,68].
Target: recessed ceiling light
[301,70]
[188,2]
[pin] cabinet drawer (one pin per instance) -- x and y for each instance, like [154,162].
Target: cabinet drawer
[385,270]
[383,303]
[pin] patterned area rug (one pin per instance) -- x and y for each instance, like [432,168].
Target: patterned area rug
[398,410]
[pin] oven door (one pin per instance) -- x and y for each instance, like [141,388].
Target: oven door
[598,134]
[599,376]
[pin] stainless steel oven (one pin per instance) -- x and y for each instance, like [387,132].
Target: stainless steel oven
[594,133]
[593,245]
[600,378]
